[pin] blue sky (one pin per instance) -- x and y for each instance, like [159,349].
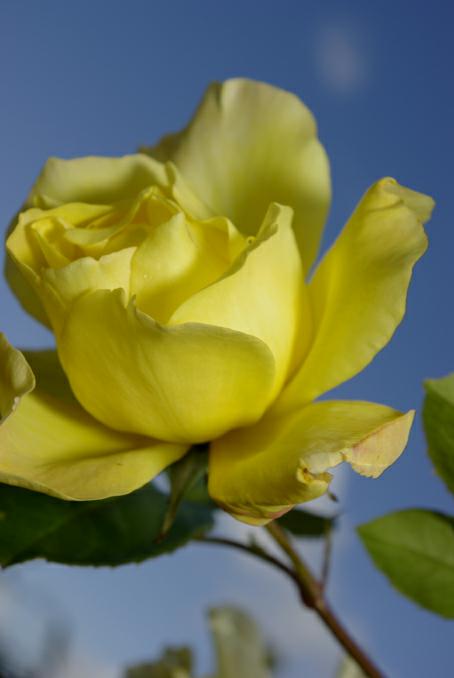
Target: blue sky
[80,78]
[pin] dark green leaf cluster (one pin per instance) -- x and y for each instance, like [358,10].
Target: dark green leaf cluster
[108,532]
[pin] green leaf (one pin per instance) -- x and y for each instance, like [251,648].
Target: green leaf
[108,532]
[186,476]
[415,550]
[305,524]
[438,419]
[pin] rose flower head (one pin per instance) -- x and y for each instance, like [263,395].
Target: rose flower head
[178,284]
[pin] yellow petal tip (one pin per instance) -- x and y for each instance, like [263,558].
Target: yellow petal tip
[375,453]
[420,204]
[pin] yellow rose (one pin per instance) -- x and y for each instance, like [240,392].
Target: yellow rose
[176,284]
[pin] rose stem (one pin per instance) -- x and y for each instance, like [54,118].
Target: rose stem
[312,595]
[311,591]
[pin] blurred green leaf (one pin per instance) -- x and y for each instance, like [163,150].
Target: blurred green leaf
[240,651]
[350,669]
[176,662]
[108,532]
[438,419]
[240,648]
[415,550]
[305,524]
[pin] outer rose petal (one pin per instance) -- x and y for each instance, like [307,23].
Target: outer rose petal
[189,383]
[261,472]
[16,378]
[359,291]
[250,144]
[50,444]
[94,179]
[263,294]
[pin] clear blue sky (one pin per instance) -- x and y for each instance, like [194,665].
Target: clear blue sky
[80,78]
